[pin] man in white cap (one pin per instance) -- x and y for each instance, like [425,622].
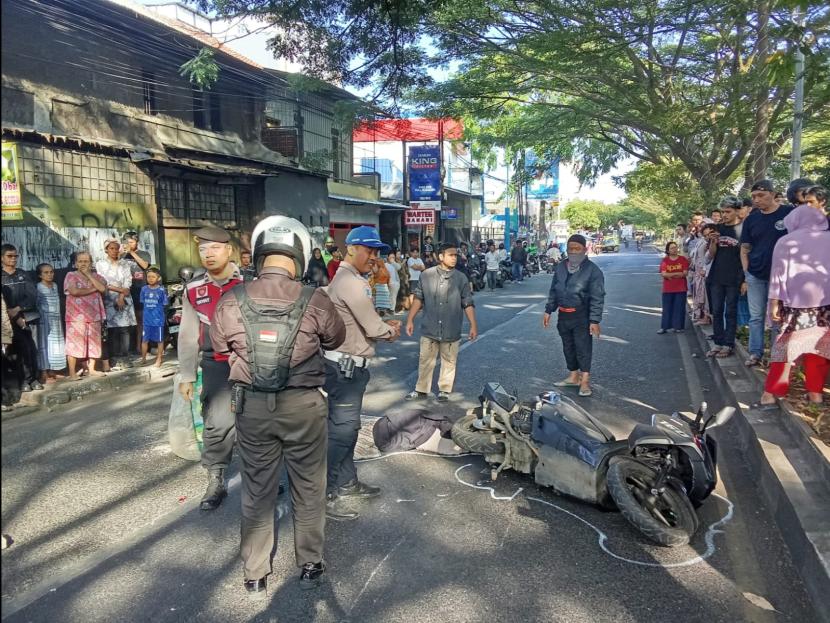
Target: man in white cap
[347,372]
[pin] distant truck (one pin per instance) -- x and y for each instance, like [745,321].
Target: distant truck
[627,232]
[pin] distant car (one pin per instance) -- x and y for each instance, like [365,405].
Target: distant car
[610,245]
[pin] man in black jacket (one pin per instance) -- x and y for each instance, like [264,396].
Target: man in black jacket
[20,293]
[577,292]
[518,255]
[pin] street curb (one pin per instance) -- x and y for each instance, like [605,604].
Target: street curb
[792,470]
[54,396]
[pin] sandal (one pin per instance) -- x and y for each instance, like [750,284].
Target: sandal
[713,352]
[566,383]
[753,360]
[764,406]
[724,352]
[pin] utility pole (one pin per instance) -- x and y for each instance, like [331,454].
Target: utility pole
[798,105]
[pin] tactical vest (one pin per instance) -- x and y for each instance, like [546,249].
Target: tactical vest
[204,294]
[271,333]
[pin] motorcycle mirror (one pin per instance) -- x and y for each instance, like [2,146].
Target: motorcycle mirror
[721,417]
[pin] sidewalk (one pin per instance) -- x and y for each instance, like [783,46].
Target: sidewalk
[793,467]
[62,391]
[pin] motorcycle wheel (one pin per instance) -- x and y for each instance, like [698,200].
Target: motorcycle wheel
[669,519]
[472,439]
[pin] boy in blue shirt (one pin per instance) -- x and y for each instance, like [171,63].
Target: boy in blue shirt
[154,299]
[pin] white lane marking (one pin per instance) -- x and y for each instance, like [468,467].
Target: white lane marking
[602,538]
[498,327]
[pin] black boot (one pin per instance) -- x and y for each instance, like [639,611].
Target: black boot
[335,510]
[216,490]
[256,589]
[310,575]
[359,490]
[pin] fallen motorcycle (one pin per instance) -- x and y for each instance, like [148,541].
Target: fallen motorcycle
[656,474]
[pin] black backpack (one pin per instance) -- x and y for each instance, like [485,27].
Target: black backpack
[271,333]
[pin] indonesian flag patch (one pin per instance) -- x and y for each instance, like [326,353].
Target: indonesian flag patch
[268,336]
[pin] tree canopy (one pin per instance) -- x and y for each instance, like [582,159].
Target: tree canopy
[704,86]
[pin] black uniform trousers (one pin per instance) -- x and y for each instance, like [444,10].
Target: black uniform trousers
[219,434]
[24,343]
[345,405]
[574,329]
[290,427]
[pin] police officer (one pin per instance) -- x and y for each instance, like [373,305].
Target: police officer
[200,298]
[273,329]
[347,372]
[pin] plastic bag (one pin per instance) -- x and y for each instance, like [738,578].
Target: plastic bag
[185,424]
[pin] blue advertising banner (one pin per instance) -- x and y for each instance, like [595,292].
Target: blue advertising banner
[424,173]
[545,182]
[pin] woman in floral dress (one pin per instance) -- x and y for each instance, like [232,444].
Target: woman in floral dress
[799,302]
[117,301]
[84,314]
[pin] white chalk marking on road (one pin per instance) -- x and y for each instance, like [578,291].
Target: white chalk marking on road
[399,500]
[375,570]
[490,489]
[602,538]
[418,452]
[84,566]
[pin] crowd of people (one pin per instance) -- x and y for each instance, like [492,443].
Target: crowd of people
[267,336]
[87,318]
[762,262]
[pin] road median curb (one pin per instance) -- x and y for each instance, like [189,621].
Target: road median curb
[793,469]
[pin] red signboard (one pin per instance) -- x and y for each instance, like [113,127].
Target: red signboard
[409,130]
[419,217]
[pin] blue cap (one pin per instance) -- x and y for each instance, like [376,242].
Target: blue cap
[366,236]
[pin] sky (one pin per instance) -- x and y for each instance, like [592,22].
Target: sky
[254,46]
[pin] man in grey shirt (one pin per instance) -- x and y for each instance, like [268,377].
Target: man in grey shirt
[445,296]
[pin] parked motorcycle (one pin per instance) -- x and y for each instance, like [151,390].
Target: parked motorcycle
[656,474]
[533,265]
[175,300]
[505,271]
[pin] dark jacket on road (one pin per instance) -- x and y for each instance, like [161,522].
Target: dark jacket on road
[583,290]
[445,295]
[321,326]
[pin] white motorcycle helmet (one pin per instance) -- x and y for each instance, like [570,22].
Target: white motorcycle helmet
[285,236]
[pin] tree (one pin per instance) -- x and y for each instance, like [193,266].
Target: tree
[706,85]
[584,214]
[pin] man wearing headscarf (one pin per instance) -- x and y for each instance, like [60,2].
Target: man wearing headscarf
[577,292]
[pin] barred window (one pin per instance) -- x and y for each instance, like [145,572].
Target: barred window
[190,201]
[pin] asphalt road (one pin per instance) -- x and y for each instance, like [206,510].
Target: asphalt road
[106,527]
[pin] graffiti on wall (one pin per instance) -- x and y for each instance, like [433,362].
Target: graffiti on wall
[56,245]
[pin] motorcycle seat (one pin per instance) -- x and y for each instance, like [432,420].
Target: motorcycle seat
[598,427]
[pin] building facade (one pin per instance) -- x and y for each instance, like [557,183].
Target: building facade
[109,137]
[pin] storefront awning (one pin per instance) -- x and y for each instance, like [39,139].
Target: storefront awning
[385,205]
